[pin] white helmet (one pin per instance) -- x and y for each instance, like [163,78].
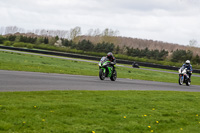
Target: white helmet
[187,62]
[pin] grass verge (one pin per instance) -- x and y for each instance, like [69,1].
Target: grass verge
[34,63]
[98,54]
[100,111]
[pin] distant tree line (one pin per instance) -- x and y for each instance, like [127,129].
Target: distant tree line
[150,54]
[183,55]
[86,45]
[68,34]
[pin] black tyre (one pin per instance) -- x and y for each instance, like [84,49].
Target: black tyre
[188,83]
[180,80]
[114,76]
[101,74]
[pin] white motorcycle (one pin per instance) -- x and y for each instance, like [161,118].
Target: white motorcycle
[183,76]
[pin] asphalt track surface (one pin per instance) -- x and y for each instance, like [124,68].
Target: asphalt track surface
[34,81]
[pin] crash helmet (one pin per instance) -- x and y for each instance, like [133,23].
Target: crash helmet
[109,55]
[187,62]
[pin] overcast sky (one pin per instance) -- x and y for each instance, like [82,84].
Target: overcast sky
[173,21]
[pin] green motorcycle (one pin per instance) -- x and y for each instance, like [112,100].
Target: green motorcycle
[106,70]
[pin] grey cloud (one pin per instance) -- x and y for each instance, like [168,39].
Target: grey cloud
[163,20]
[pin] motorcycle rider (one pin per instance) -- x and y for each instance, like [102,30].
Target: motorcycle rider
[189,68]
[111,59]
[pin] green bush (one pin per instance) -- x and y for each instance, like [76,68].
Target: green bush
[30,46]
[7,43]
[1,39]
[19,44]
[22,44]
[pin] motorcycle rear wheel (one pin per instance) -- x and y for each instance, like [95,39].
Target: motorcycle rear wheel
[114,76]
[101,74]
[188,83]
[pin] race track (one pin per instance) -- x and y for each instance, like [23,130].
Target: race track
[96,62]
[34,81]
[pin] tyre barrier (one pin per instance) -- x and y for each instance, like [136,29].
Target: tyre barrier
[94,58]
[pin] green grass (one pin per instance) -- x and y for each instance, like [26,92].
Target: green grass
[164,70]
[100,111]
[22,62]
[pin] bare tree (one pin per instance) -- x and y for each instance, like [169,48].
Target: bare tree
[37,31]
[96,32]
[8,30]
[110,32]
[2,30]
[75,32]
[13,30]
[109,35]
[193,43]
[90,32]
[63,34]
[21,30]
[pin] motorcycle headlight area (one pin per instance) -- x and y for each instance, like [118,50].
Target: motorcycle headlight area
[105,64]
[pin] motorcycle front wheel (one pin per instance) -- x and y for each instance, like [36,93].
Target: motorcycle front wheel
[180,80]
[101,74]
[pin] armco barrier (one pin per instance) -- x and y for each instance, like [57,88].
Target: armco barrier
[52,53]
[94,58]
